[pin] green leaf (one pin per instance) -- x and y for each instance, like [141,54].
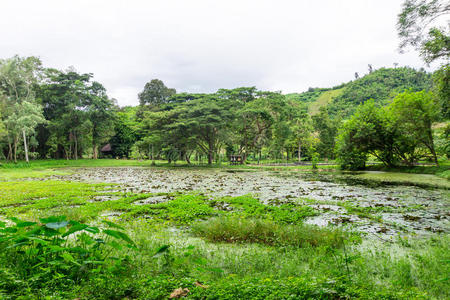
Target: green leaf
[53,219]
[69,258]
[75,228]
[161,250]
[39,241]
[56,248]
[113,225]
[92,229]
[78,250]
[57,225]
[17,245]
[118,235]
[25,224]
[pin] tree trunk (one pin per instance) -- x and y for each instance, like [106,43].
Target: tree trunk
[75,146]
[433,152]
[299,151]
[10,151]
[15,149]
[210,152]
[210,157]
[94,151]
[25,145]
[431,147]
[188,158]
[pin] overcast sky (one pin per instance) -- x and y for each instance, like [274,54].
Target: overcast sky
[204,45]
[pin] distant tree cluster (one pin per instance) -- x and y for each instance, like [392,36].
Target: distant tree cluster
[51,113]
[385,115]
[400,132]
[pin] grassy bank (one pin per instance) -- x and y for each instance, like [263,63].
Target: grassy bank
[163,261]
[442,171]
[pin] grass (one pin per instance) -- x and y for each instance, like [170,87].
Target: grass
[248,251]
[410,269]
[424,180]
[442,171]
[243,230]
[324,99]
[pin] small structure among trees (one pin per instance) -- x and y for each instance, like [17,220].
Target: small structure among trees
[106,150]
[236,160]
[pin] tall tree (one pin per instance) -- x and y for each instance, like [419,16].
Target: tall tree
[18,80]
[79,113]
[327,129]
[206,120]
[23,121]
[101,115]
[155,93]
[413,114]
[418,26]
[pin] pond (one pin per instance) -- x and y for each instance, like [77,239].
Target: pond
[379,204]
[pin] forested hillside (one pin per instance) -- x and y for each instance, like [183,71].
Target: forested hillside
[382,85]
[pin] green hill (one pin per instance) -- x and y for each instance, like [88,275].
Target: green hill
[381,85]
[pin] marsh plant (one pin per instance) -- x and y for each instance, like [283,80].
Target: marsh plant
[55,252]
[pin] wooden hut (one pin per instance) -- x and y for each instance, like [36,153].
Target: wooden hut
[236,160]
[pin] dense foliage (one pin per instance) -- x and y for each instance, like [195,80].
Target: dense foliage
[381,85]
[47,113]
[399,132]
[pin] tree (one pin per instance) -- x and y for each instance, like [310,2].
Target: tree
[327,129]
[381,85]
[417,26]
[80,113]
[441,90]
[101,115]
[206,120]
[241,129]
[258,123]
[366,132]
[412,114]
[399,132]
[301,132]
[125,132]
[155,93]
[23,121]
[18,79]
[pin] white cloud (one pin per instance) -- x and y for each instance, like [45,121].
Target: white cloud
[204,45]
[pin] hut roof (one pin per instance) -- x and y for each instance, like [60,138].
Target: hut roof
[106,148]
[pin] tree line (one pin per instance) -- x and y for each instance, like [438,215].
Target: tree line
[48,113]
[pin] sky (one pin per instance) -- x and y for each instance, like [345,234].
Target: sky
[204,45]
